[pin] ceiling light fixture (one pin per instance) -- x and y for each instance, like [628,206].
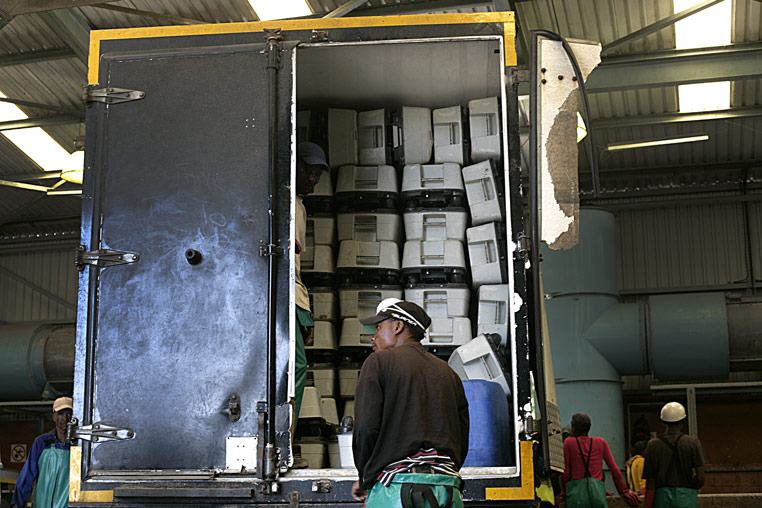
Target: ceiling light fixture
[282,9]
[656,142]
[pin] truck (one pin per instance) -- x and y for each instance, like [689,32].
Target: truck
[184,344]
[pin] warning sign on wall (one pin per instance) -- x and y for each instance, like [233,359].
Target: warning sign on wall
[18,452]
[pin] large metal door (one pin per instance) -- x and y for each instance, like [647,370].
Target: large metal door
[166,339]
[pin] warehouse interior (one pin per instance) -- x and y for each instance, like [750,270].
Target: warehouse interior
[680,199]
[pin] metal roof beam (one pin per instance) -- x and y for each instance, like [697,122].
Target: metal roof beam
[29,104]
[148,14]
[72,27]
[345,9]
[36,175]
[666,118]
[419,7]
[38,55]
[39,121]
[16,7]
[659,25]
[671,68]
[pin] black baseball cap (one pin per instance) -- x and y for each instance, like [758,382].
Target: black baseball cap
[312,154]
[395,308]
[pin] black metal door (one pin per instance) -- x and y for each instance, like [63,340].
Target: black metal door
[184,169]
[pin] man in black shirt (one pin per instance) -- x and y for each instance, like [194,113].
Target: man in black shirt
[674,464]
[411,415]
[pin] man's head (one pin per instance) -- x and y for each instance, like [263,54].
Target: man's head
[62,410]
[673,414]
[310,164]
[580,424]
[395,323]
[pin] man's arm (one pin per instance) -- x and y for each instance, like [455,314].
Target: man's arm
[616,474]
[369,406]
[464,422]
[28,474]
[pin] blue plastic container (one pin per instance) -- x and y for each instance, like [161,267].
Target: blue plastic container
[489,430]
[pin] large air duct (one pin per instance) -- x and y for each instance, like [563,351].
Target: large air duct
[36,360]
[595,340]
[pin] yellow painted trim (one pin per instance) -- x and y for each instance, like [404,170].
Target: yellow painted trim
[76,494]
[507,18]
[526,491]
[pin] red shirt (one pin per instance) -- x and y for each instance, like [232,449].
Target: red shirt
[600,451]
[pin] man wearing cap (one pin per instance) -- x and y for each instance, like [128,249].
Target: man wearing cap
[310,164]
[674,464]
[48,464]
[411,416]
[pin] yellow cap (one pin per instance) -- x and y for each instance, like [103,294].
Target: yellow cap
[62,403]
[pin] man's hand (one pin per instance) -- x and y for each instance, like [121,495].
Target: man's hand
[631,497]
[358,493]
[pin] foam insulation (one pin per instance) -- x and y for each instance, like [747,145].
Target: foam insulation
[557,138]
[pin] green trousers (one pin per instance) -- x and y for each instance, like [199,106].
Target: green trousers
[674,497]
[303,320]
[390,497]
[52,490]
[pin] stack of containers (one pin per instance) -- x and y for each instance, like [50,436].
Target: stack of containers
[434,265]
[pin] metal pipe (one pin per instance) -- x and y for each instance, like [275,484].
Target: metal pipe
[273,63]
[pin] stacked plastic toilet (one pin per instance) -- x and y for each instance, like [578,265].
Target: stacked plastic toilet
[413,210]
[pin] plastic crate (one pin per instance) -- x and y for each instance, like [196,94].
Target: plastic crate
[323,337]
[321,230]
[483,193]
[335,130]
[369,262]
[448,332]
[317,266]
[435,225]
[412,138]
[433,186]
[370,227]
[492,313]
[330,414]
[441,301]
[324,378]
[484,126]
[450,143]
[367,188]
[311,406]
[375,137]
[478,360]
[362,302]
[486,252]
[354,335]
[438,262]
[348,376]
[324,304]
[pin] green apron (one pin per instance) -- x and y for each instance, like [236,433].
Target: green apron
[444,487]
[52,490]
[676,497]
[303,321]
[588,492]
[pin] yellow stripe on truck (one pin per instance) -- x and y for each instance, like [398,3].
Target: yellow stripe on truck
[76,494]
[526,491]
[507,18]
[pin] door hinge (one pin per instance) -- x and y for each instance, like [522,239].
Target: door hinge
[97,432]
[111,95]
[523,245]
[104,257]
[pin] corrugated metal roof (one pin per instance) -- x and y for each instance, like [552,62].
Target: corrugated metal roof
[60,82]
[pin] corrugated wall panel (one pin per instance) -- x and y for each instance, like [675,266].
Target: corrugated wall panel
[688,247]
[52,270]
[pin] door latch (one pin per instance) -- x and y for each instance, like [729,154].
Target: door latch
[233,408]
[104,257]
[97,432]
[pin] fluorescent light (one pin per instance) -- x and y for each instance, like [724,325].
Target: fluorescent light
[280,9]
[656,142]
[708,28]
[704,96]
[36,143]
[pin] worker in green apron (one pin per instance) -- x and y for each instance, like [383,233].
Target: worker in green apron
[47,464]
[674,464]
[583,468]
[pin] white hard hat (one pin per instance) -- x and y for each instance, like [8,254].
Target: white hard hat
[672,412]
